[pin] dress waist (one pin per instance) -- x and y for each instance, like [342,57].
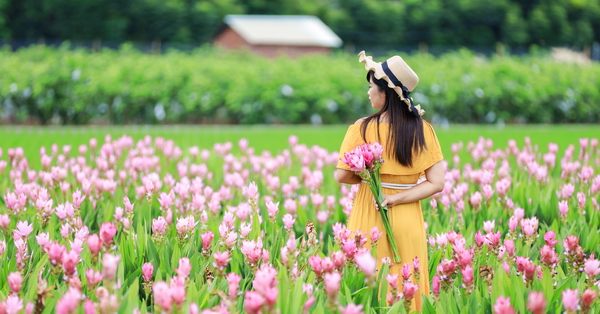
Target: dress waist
[395,186]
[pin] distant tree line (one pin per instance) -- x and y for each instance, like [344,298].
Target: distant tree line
[573,23]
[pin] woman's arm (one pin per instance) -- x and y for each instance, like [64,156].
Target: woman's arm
[346,176]
[434,183]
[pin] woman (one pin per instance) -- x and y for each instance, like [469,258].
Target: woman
[411,149]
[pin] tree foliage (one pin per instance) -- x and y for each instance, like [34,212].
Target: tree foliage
[358,22]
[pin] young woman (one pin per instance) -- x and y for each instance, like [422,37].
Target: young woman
[411,150]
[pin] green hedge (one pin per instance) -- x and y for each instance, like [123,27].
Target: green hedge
[60,85]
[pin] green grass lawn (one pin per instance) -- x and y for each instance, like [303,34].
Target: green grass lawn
[274,138]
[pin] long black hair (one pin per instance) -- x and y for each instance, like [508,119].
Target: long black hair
[405,129]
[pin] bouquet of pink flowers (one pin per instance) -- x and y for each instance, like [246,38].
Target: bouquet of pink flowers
[366,161]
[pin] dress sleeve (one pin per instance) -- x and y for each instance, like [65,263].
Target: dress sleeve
[351,141]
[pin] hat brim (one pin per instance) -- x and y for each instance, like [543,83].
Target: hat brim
[379,74]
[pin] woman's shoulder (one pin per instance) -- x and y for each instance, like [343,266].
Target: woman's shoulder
[359,121]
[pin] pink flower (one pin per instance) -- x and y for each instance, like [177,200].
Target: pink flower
[178,292]
[503,306]
[570,300]
[55,252]
[23,229]
[162,295]
[375,235]
[252,250]
[147,270]
[475,199]
[265,283]
[356,162]
[184,267]
[253,302]
[587,299]
[489,225]
[251,192]
[317,265]
[436,285]
[549,237]
[563,208]
[221,259]
[42,239]
[159,225]
[566,191]
[366,263]
[94,243]
[69,302]
[93,277]
[467,273]
[592,268]
[409,290]
[548,256]
[234,282]
[536,302]
[288,221]
[392,280]
[506,267]
[416,264]
[69,262]
[110,263]
[465,257]
[107,232]
[14,282]
[207,238]
[4,221]
[332,284]
[349,247]
[272,208]
[351,309]
[406,271]
[479,238]
[571,243]
[12,304]
[509,245]
[339,259]
[502,186]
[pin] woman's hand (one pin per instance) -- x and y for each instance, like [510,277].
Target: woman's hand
[390,200]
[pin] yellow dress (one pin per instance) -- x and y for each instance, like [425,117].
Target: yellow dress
[406,219]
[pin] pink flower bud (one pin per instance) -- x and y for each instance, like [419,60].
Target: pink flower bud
[332,284]
[588,298]
[14,282]
[366,263]
[536,302]
[147,270]
[94,243]
[108,230]
[502,306]
[110,263]
[592,268]
[253,302]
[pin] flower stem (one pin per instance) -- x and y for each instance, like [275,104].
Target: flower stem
[378,194]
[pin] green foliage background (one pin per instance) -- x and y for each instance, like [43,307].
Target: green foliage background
[358,22]
[44,85]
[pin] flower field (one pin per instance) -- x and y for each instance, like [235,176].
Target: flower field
[124,225]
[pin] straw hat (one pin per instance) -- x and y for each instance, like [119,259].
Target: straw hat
[399,76]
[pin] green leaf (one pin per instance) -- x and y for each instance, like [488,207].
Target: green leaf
[131,299]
